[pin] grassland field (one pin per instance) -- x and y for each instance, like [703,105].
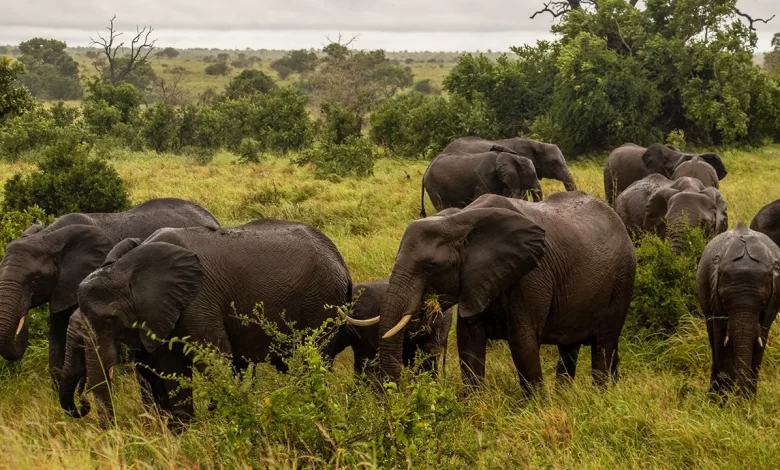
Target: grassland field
[656,416]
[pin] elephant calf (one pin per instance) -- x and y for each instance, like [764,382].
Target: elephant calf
[738,283]
[659,205]
[361,333]
[767,221]
[630,163]
[194,283]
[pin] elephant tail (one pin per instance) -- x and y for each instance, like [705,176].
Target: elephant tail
[422,195]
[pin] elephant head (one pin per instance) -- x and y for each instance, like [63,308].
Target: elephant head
[519,175]
[661,159]
[44,265]
[140,296]
[744,289]
[468,258]
[547,159]
[686,202]
[687,165]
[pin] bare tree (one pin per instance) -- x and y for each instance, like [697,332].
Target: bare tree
[171,89]
[119,66]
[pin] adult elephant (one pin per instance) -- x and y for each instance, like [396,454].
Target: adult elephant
[427,335]
[738,283]
[695,166]
[767,221]
[558,272]
[201,283]
[548,158]
[455,180]
[630,163]
[659,205]
[47,264]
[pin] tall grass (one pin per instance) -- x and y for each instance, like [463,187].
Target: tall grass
[658,414]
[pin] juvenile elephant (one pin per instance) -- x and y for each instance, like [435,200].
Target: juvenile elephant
[630,163]
[199,283]
[457,179]
[767,221]
[738,283]
[47,264]
[427,335]
[548,158]
[659,205]
[560,271]
[695,166]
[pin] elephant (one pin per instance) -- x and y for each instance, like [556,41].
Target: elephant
[548,158]
[767,221]
[630,163]
[695,166]
[560,271]
[46,264]
[361,332]
[738,286]
[659,205]
[454,180]
[201,283]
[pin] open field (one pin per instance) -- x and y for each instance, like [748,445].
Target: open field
[657,416]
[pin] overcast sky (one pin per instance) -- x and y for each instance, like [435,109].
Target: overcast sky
[434,25]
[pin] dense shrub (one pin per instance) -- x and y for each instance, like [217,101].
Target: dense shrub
[217,68]
[67,180]
[338,123]
[107,105]
[249,151]
[426,87]
[51,72]
[14,98]
[63,114]
[300,61]
[161,127]
[355,157]
[14,223]
[248,82]
[27,132]
[199,126]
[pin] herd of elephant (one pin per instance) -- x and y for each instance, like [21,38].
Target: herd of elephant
[556,270]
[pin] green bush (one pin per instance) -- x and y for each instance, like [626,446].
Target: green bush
[161,128]
[200,126]
[51,72]
[218,68]
[63,114]
[339,123]
[426,87]
[249,151]
[665,284]
[248,82]
[31,130]
[355,157]
[15,99]
[105,106]
[66,181]
[14,223]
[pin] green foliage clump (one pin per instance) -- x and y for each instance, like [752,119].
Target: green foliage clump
[355,157]
[51,72]
[426,87]
[248,82]
[161,127]
[299,61]
[199,127]
[217,68]
[665,284]
[33,129]
[14,223]
[106,106]
[15,99]
[338,123]
[66,181]
[63,114]
[249,151]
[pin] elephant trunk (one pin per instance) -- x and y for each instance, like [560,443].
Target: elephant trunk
[14,303]
[403,298]
[101,356]
[568,180]
[743,331]
[74,371]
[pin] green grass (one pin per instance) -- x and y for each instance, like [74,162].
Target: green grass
[657,416]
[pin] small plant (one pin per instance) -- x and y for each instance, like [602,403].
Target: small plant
[355,157]
[249,151]
[676,138]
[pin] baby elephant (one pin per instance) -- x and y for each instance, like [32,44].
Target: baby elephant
[767,221]
[738,283]
[697,166]
[427,334]
[659,205]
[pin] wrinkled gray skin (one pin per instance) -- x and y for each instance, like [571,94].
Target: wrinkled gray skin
[767,221]
[548,159]
[738,283]
[456,179]
[630,163]
[659,205]
[364,340]
[47,265]
[560,272]
[694,166]
[193,282]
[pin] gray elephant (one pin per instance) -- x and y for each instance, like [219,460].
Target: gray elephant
[456,179]
[548,158]
[738,283]
[695,166]
[560,272]
[47,264]
[361,332]
[767,221]
[630,163]
[659,205]
[200,283]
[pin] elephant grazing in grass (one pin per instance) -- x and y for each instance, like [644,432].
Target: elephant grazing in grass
[738,283]
[47,264]
[200,283]
[560,271]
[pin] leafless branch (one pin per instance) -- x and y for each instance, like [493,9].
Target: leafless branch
[752,20]
[140,48]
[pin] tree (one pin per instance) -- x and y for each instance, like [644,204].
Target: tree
[169,88]
[169,53]
[772,59]
[218,68]
[15,99]
[300,61]
[248,82]
[116,68]
[51,72]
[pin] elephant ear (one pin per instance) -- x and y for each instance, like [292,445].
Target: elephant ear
[683,159]
[32,230]
[500,247]
[655,210]
[715,161]
[121,249]
[653,158]
[80,249]
[722,214]
[500,148]
[507,171]
[163,281]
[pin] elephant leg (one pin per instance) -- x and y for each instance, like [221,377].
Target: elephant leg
[567,363]
[472,347]
[150,387]
[604,361]
[524,347]
[58,328]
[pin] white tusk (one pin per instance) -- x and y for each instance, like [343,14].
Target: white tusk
[760,342]
[726,341]
[111,373]
[21,324]
[369,322]
[400,326]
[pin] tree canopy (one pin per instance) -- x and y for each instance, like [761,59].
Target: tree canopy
[51,72]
